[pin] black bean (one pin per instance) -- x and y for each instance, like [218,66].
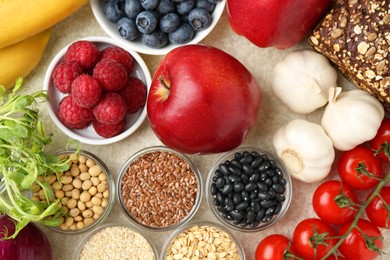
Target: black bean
[266,203]
[221,209]
[270,172]
[263,176]
[237,221]
[224,169]
[227,189]
[238,155]
[251,216]
[264,166]
[236,214]
[226,215]
[236,163]
[234,170]
[218,173]
[238,186]
[250,186]
[237,198]
[278,207]
[278,188]
[253,194]
[256,162]
[282,181]
[262,186]
[245,195]
[270,211]
[219,182]
[260,214]
[255,154]
[265,157]
[272,194]
[263,196]
[246,159]
[213,189]
[254,177]
[273,163]
[247,169]
[254,223]
[280,197]
[278,171]
[234,178]
[266,219]
[245,177]
[242,205]
[229,205]
[268,182]
[244,224]
[255,206]
[219,197]
[275,179]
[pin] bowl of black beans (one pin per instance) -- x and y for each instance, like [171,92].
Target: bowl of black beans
[249,189]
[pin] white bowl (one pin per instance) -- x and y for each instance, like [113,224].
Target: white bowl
[88,134]
[137,45]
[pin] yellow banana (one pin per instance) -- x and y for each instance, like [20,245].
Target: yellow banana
[20,59]
[21,19]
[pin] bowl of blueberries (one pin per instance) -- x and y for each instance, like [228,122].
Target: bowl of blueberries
[249,189]
[157,26]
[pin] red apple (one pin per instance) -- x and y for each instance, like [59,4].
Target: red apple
[277,23]
[202,100]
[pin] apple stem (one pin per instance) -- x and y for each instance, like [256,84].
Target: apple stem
[165,85]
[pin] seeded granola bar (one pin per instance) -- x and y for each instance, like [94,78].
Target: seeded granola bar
[355,36]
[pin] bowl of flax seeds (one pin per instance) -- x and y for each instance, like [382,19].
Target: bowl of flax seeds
[159,188]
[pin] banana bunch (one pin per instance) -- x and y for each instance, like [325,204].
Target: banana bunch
[25,31]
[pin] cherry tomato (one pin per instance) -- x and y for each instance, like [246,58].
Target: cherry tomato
[339,257]
[378,209]
[275,247]
[381,137]
[355,245]
[362,157]
[327,198]
[313,238]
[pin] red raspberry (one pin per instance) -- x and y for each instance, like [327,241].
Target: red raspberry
[109,130]
[72,115]
[111,75]
[134,94]
[111,108]
[84,53]
[64,74]
[86,90]
[120,55]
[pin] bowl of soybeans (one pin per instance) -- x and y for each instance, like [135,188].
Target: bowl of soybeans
[85,192]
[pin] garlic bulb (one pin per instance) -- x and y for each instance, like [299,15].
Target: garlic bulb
[351,117]
[305,149]
[302,80]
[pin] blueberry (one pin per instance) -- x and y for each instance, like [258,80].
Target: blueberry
[149,4]
[182,35]
[156,39]
[166,6]
[205,4]
[169,22]
[146,21]
[185,6]
[127,28]
[114,9]
[133,8]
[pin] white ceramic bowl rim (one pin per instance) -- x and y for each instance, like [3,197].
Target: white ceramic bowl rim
[110,28]
[74,134]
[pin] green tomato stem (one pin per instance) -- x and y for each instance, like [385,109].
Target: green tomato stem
[358,215]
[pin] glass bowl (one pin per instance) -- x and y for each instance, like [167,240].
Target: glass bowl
[112,241]
[111,29]
[198,236]
[249,189]
[86,191]
[88,135]
[159,189]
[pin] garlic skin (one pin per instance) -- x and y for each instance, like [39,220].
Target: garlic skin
[302,80]
[305,149]
[351,117]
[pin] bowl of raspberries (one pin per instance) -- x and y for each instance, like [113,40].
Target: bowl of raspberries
[157,26]
[97,90]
